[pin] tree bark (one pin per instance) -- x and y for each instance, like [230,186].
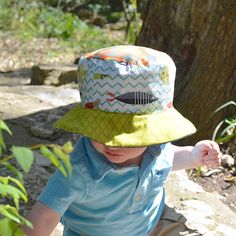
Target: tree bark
[200,36]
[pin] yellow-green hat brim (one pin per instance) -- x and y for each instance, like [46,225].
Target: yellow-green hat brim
[124,129]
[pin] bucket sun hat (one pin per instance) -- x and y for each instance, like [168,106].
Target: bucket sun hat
[126,98]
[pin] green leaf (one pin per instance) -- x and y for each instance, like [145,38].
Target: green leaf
[6,180]
[226,138]
[26,222]
[67,147]
[3,126]
[5,228]
[64,157]
[225,105]
[47,153]
[2,144]
[18,231]
[24,157]
[229,127]
[10,228]
[199,171]
[15,193]
[19,184]
[12,213]
[13,170]
[217,130]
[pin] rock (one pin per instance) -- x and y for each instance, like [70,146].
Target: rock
[233,171]
[41,132]
[33,109]
[42,172]
[223,229]
[44,133]
[211,172]
[13,78]
[53,75]
[89,16]
[85,14]
[98,21]
[227,161]
[58,231]
[41,160]
[13,105]
[232,146]
[204,211]
[23,100]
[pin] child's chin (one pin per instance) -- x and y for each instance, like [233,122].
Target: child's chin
[114,159]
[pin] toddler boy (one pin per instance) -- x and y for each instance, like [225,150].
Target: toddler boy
[121,162]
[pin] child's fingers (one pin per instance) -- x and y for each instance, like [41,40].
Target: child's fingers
[213,146]
[212,160]
[207,153]
[205,144]
[215,154]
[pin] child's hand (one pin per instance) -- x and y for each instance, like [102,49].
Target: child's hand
[206,153]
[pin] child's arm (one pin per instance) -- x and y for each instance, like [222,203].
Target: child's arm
[43,219]
[204,153]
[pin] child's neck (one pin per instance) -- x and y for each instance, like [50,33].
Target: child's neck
[135,161]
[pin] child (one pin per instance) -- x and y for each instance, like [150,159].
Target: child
[122,160]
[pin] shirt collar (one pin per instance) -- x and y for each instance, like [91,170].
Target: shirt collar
[97,162]
[149,158]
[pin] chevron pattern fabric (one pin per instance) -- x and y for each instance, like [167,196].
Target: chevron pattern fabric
[118,79]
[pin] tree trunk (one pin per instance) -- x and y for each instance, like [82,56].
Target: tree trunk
[200,36]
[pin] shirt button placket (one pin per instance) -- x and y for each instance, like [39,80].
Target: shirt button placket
[137,205]
[138,197]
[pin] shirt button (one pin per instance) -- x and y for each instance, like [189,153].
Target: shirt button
[138,197]
[119,172]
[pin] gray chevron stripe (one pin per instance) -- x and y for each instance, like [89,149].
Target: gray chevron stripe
[133,109]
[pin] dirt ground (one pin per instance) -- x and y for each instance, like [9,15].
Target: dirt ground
[217,183]
[222,180]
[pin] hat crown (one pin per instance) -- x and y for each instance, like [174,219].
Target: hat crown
[126,99]
[127,79]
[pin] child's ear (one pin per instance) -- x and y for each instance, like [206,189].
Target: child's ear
[76,61]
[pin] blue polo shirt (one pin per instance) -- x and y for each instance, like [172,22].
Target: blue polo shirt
[102,199]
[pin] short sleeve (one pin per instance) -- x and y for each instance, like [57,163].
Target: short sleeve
[61,191]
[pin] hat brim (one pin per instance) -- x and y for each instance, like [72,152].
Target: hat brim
[126,130]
